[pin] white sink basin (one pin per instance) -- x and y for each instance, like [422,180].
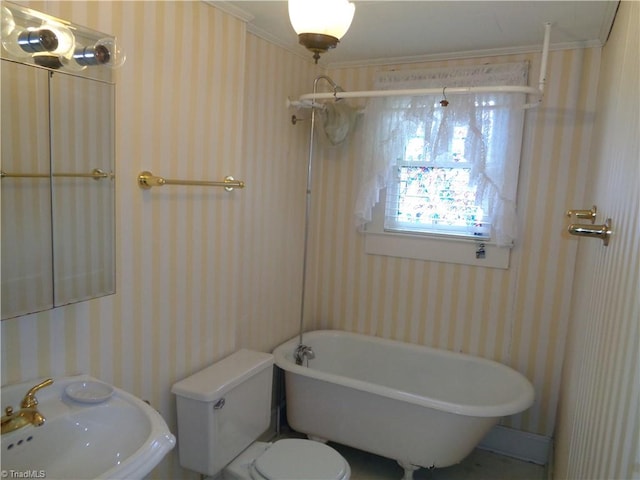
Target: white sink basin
[119,436]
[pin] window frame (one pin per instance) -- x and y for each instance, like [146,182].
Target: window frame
[430,247]
[495,150]
[448,246]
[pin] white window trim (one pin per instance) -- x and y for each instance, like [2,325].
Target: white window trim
[440,248]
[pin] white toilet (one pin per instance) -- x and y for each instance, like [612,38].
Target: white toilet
[223,410]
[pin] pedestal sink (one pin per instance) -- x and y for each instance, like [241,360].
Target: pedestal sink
[91,431]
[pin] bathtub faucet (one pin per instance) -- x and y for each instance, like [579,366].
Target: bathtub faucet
[303,352]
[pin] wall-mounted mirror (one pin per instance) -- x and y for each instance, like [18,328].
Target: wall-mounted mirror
[58,163]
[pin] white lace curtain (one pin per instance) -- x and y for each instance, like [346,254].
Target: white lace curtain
[495,124]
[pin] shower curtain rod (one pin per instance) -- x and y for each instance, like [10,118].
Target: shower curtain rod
[308,99]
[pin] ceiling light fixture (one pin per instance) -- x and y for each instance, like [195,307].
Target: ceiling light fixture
[320,24]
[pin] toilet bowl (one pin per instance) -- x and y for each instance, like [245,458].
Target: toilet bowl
[222,411]
[288,459]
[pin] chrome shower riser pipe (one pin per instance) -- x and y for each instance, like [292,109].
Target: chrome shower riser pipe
[308,199]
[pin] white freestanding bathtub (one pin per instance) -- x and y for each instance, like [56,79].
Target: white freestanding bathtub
[421,406]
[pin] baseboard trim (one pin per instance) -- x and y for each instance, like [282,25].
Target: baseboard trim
[517,444]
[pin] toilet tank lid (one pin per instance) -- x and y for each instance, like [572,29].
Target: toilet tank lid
[216,380]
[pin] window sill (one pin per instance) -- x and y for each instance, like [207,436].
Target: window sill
[450,250]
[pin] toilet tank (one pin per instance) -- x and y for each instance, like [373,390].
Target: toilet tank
[223,409]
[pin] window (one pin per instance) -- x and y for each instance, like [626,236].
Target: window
[436,195]
[446,176]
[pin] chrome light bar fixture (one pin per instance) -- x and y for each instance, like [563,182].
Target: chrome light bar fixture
[33,37]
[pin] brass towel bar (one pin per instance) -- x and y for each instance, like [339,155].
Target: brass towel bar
[147,180]
[95,174]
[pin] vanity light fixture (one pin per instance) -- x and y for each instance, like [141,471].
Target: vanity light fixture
[30,36]
[43,38]
[105,52]
[48,39]
[320,24]
[7,22]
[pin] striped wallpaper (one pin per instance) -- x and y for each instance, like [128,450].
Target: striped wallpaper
[599,422]
[201,272]
[517,316]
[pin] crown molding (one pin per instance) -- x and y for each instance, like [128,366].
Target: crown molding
[495,52]
[231,9]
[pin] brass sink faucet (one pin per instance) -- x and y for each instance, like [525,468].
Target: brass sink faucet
[28,413]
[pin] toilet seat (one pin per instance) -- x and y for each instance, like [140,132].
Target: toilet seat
[298,459]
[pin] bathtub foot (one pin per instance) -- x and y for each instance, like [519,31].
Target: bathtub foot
[317,439]
[408,469]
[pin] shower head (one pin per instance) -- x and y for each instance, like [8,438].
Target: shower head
[336,88]
[333,84]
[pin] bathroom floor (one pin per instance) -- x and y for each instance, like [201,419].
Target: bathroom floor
[479,465]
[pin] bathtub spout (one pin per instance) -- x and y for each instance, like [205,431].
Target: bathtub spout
[303,352]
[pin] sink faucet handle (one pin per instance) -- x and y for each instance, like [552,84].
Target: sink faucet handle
[30,400]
